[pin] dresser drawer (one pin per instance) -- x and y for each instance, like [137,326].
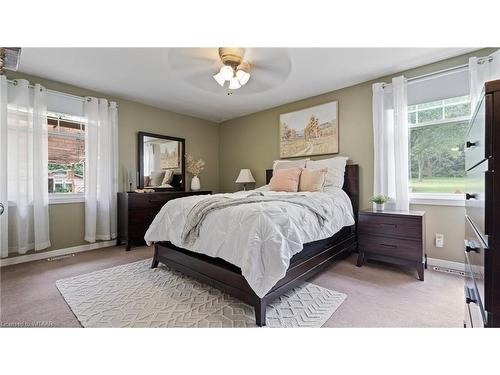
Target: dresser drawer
[390,225]
[388,246]
[148,201]
[478,145]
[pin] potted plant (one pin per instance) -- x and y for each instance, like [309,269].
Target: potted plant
[195,168]
[379,201]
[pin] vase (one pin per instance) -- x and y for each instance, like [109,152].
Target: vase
[379,206]
[195,183]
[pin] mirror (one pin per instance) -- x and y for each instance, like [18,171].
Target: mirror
[161,162]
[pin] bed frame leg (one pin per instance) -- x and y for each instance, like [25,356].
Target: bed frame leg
[155,261]
[260,313]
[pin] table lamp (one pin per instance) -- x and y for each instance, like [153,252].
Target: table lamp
[245,177]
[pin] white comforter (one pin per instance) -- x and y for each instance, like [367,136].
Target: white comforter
[259,238]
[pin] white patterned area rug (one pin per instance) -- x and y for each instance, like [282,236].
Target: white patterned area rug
[133,295]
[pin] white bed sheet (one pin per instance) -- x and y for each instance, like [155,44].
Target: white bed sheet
[259,238]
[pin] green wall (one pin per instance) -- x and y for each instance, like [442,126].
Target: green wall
[252,142]
[202,140]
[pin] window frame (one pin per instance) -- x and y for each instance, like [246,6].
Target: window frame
[64,198]
[437,199]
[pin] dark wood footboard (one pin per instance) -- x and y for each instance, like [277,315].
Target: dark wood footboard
[227,277]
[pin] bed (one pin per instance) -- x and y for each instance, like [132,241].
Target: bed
[304,264]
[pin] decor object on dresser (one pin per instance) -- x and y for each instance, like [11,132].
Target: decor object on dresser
[379,201]
[310,131]
[245,177]
[395,236]
[136,212]
[195,168]
[482,212]
[161,162]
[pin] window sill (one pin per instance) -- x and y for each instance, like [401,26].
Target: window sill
[456,200]
[66,198]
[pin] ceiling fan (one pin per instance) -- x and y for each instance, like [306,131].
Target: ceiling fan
[234,69]
[251,70]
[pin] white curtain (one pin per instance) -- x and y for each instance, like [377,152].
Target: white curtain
[101,169]
[482,70]
[390,133]
[149,159]
[24,167]
[4,247]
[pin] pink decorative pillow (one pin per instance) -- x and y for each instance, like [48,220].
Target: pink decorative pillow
[285,179]
[313,179]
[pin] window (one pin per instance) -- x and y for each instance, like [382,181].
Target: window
[437,159]
[66,168]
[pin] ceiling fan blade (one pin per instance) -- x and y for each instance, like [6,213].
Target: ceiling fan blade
[191,58]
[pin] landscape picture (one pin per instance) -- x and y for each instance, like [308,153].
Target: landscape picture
[170,156]
[311,131]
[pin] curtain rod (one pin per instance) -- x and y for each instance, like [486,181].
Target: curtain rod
[423,77]
[82,98]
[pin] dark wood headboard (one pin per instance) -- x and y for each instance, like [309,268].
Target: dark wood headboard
[351,184]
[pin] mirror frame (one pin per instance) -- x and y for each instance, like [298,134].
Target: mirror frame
[140,140]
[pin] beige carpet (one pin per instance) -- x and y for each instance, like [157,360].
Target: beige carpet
[380,295]
[133,295]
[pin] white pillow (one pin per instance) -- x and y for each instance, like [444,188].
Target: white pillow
[336,169]
[284,164]
[169,176]
[263,188]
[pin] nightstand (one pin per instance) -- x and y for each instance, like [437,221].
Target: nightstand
[393,236]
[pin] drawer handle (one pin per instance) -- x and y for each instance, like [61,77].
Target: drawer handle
[469,144]
[387,224]
[471,246]
[386,245]
[470,196]
[470,295]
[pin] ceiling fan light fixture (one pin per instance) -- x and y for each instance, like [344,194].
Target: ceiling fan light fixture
[242,76]
[227,72]
[234,84]
[220,79]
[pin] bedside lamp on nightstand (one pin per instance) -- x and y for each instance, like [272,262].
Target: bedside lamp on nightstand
[245,177]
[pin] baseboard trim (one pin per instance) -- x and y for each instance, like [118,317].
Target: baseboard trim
[55,253]
[446,264]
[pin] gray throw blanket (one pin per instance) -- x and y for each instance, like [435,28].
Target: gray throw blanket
[200,210]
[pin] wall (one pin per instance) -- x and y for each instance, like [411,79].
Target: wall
[252,142]
[202,140]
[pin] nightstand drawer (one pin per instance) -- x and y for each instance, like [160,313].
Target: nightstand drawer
[389,225]
[394,247]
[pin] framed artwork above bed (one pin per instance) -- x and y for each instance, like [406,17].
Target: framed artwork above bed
[310,131]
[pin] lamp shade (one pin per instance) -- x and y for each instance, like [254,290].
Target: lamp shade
[220,79]
[245,177]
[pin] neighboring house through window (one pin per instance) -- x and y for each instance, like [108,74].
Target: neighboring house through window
[66,168]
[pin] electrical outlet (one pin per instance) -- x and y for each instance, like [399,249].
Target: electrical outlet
[439,240]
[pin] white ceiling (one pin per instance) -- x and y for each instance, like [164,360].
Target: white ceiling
[158,77]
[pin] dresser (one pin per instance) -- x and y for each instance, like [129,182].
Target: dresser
[392,236]
[482,212]
[136,211]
